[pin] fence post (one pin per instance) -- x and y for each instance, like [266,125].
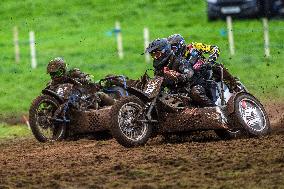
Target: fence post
[230,35]
[266,37]
[16,43]
[26,120]
[33,52]
[119,40]
[146,43]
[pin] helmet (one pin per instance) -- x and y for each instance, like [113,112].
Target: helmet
[56,67]
[177,43]
[160,50]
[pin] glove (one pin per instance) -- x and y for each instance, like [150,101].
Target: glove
[198,65]
[171,74]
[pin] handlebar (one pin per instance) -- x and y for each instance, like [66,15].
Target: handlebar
[114,77]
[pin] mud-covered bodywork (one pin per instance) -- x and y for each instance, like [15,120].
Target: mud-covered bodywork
[191,119]
[90,121]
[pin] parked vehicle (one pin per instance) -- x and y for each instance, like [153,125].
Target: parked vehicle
[240,8]
[244,8]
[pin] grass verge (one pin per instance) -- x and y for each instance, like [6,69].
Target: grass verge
[8,131]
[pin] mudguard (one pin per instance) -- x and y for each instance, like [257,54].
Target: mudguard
[53,94]
[139,93]
[231,102]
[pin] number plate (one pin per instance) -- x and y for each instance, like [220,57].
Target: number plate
[153,87]
[150,87]
[230,10]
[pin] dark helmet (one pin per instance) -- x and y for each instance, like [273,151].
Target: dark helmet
[160,50]
[56,67]
[177,43]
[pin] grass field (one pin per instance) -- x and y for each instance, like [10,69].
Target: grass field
[81,33]
[8,131]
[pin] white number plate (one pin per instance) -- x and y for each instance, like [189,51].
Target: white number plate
[150,88]
[230,10]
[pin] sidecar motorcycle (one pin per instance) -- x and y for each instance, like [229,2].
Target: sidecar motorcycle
[152,109]
[70,109]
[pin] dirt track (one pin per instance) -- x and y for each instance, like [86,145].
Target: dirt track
[201,161]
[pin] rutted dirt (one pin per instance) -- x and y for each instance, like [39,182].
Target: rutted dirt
[199,161]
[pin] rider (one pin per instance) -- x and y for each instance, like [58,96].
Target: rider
[193,52]
[177,71]
[57,69]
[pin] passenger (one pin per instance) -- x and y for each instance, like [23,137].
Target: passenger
[57,69]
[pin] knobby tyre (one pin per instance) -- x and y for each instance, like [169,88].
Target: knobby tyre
[41,119]
[126,126]
[250,115]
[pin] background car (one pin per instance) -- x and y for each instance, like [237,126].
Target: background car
[240,8]
[244,8]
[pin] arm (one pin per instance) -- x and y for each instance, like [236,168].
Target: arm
[80,76]
[212,50]
[186,71]
[183,73]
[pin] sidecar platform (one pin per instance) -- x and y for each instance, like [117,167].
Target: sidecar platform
[191,119]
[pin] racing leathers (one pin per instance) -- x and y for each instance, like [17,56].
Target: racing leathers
[176,71]
[201,48]
[76,76]
[201,91]
[194,53]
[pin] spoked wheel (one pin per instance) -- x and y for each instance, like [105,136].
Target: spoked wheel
[41,119]
[127,127]
[250,115]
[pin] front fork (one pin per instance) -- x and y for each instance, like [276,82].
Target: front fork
[64,108]
[222,86]
[148,109]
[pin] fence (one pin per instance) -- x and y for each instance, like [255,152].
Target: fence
[146,36]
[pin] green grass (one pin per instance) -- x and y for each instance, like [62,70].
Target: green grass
[79,31]
[8,131]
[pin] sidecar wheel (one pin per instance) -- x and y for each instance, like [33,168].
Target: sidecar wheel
[125,125]
[250,115]
[40,117]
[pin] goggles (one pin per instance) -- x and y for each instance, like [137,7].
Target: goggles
[58,73]
[156,55]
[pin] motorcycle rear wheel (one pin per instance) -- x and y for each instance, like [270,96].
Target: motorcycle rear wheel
[125,125]
[40,117]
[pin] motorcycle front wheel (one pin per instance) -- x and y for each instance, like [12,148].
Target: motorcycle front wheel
[41,115]
[127,125]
